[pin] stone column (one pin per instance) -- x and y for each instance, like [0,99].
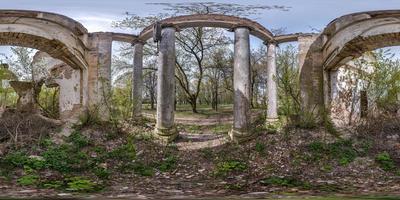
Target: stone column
[272,93]
[165,128]
[241,84]
[137,78]
[99,73]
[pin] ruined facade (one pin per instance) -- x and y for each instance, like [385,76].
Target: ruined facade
[344,39]
[81,61]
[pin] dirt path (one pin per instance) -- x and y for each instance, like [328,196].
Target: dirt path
[212,120]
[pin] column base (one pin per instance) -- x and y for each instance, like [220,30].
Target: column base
[240,136]
[272,120]
[166,135]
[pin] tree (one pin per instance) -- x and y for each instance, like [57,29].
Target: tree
[287,79]
[194,44]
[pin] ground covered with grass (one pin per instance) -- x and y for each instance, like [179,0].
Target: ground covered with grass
[99,160]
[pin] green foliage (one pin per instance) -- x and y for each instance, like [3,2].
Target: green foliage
[307,120]
[78,140]
[48,101]
[59,158]
[36,163]
[17,158]
[167,164]
[90,118]
[385,161]
[53,184]
[143,170]
[287,80]
[341,151]
[284,182]
[28,180]
[82,184]
[260,147]
[226,167]
[126,152]
[102,173]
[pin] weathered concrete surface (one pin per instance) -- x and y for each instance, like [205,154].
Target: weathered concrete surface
[344,39]
[211,20]
[272,89]
[62,75]
[137,84]
[26,96]
[99,73]
[165,127]
[241,85]
[59,36]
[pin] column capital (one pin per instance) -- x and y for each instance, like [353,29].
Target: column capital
[272,42]
[138,41]
[168,25]
[238,26]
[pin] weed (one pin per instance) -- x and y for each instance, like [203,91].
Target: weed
[52,185]
[224,168]
[125,152]
[27,180]
[101,172]
[284,182]
[78,140]
[60,158]
[342,151]
[206,153]
[385,161]
[143,170]
[17,159]
[167,164]
[260,147]
[82,184]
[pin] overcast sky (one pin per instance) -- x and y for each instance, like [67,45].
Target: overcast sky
[97,15]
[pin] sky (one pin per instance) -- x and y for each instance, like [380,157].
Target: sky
[97,15]
[303,15]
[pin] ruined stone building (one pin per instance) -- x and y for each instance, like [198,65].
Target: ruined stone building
[83,66]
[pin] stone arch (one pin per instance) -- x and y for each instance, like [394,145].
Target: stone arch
[61,37]
[344,39]
[212,20]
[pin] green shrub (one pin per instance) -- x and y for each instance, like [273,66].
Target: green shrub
[224,168]
[17,159]
[59,158]
[385,161]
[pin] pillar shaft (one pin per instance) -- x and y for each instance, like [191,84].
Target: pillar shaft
[99,73]
[166,85]
[241,85]
[137,79]
[272,94]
